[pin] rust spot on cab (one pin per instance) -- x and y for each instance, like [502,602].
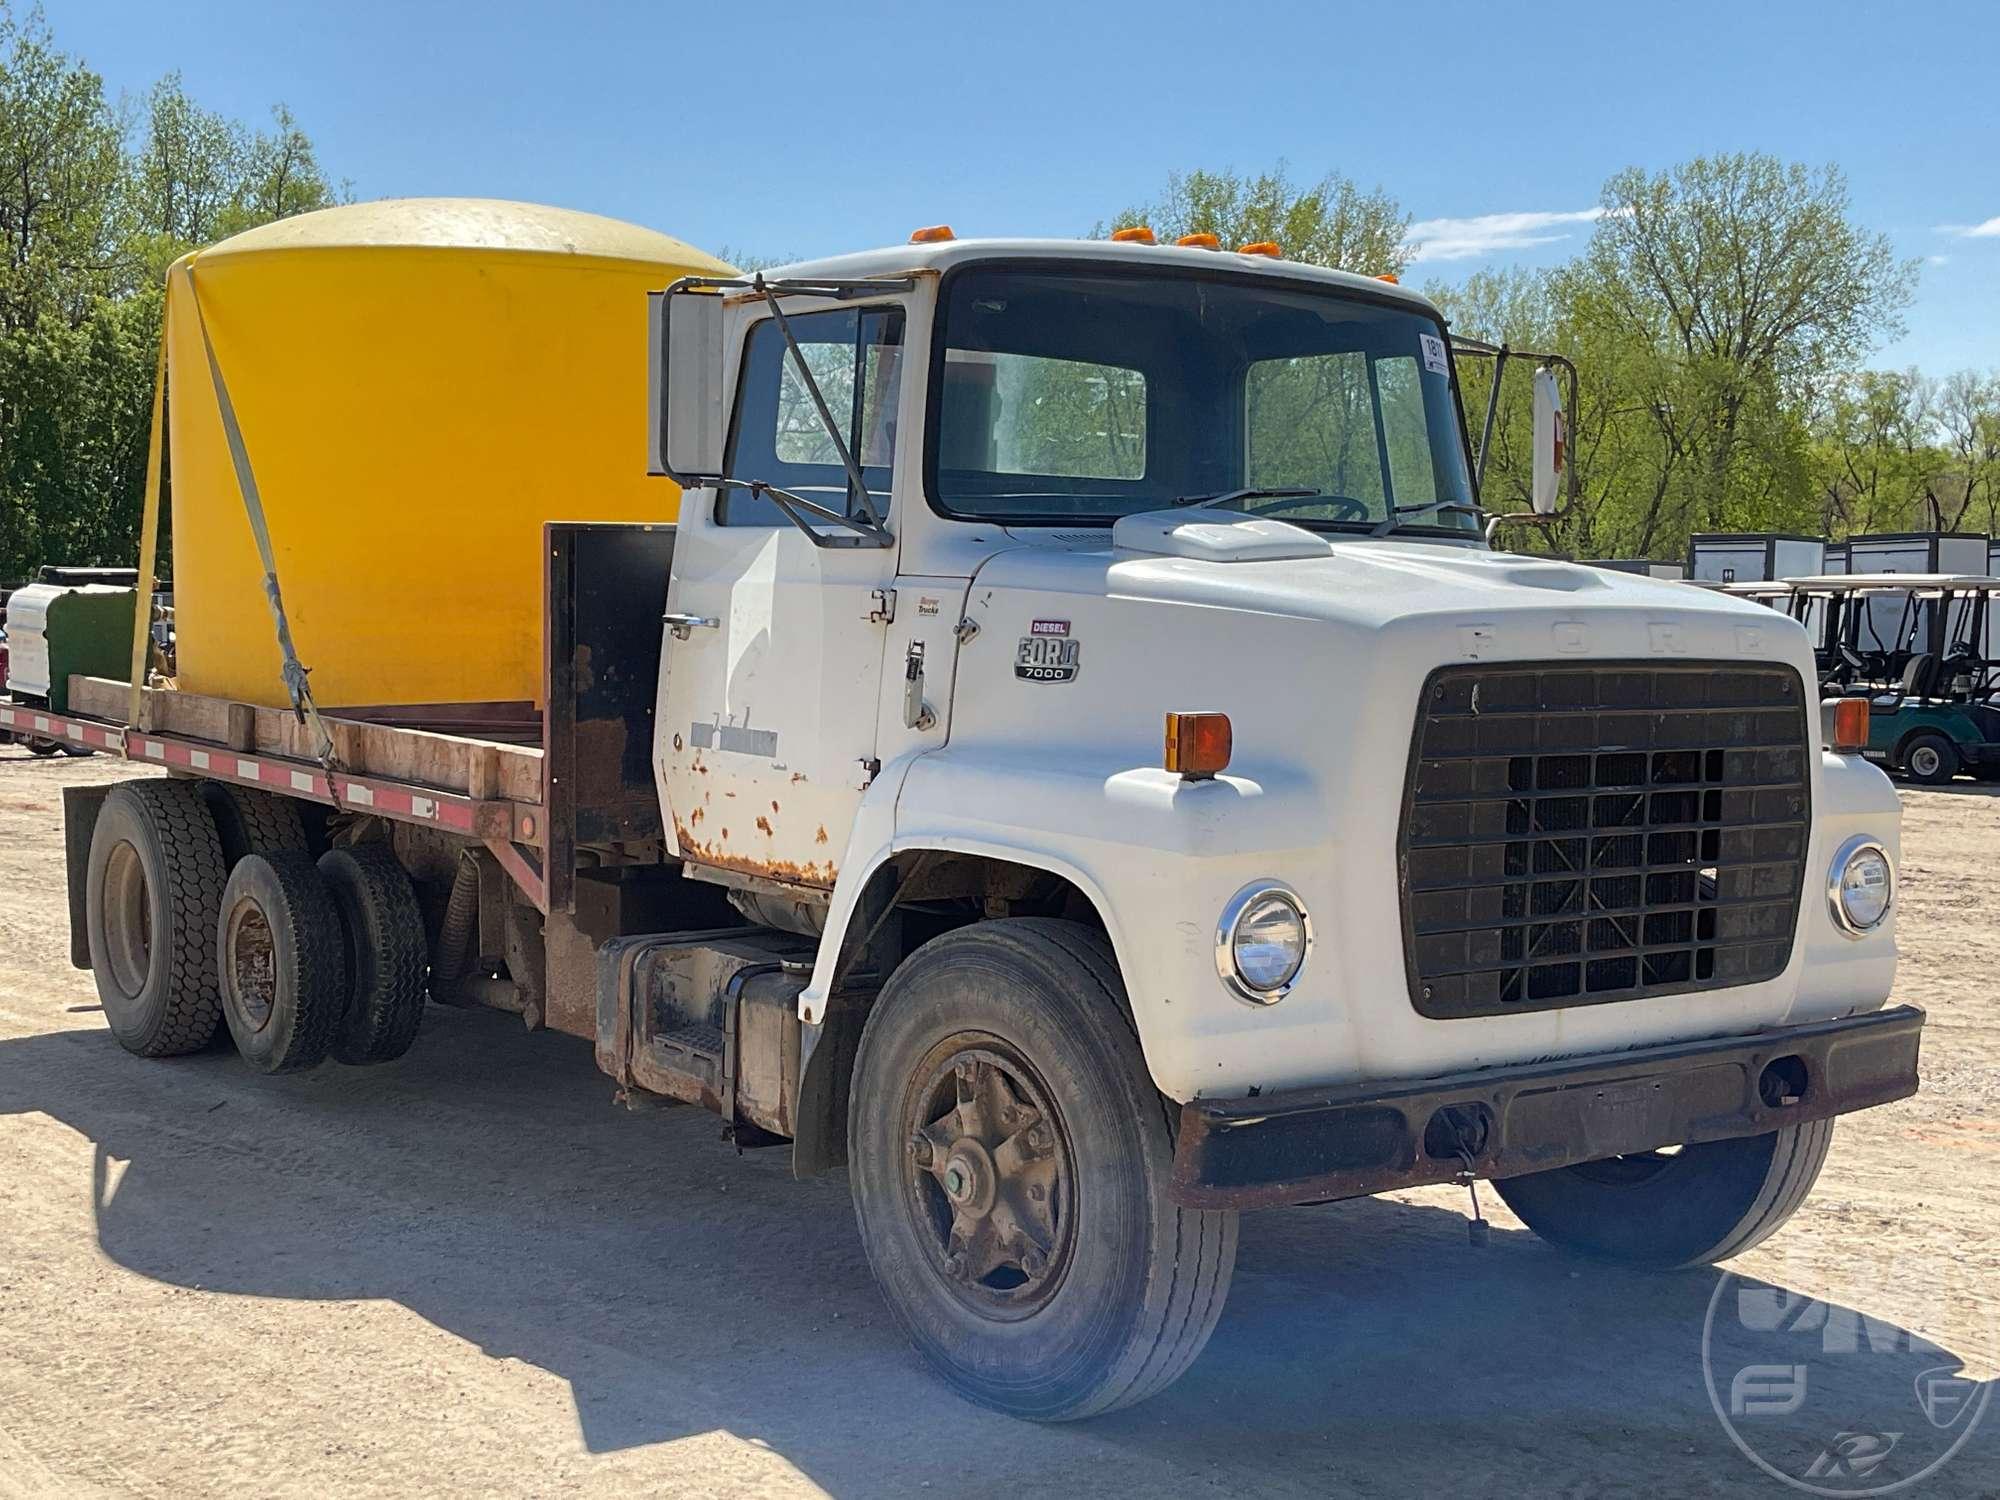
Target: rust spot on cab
[797,777]
[764,824]
[695,816]
[785,871]
[820,837]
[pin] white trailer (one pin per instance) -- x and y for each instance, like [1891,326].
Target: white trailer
[1753,557]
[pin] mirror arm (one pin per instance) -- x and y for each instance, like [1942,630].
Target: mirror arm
[790,505]
[854,478]
[1486,431]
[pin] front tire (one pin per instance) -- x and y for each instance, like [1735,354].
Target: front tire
[1010,1159]
[1667,1211]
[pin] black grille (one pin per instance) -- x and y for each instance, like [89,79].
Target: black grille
[1577,835]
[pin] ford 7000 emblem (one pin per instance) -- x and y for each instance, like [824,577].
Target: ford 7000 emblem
[1047,654]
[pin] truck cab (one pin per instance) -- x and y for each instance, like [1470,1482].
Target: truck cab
[1143,590]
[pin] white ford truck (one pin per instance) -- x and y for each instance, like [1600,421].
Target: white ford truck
[1096,776]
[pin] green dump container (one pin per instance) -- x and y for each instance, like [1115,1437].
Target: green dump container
[55,631]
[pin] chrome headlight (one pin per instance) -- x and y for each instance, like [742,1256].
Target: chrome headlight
[1860,886]
[1262,942]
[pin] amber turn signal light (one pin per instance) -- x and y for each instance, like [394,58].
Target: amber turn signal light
[1199,242]
[1198,745]
[1261,247]
[932,234]
[1850,725]
[1138,234]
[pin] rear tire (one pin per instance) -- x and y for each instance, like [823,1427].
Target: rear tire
[388,955]
[281,960]
[252,822]
[1010,1159]
[152,888]
[1930,759]
[1703,1203]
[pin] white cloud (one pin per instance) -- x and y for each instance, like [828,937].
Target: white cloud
[1484,234]
[1990,230]
[1937,260]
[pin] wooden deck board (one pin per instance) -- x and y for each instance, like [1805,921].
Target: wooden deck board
[486,769]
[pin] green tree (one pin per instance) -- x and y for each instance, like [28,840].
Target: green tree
[1730,288]
[90,217]
[1715,311]
[1329,223]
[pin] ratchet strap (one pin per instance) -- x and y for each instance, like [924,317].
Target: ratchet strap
[149,545]
[253,506]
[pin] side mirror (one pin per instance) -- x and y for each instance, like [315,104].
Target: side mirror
[1551,442]
[685,385]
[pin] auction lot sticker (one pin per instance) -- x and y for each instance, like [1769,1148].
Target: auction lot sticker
[1830,1400]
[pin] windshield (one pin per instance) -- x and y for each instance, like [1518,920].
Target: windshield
[1069,396]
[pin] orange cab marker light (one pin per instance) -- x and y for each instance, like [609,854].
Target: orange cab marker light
[1138,234]
[1850,726]
[1199,242]
[1390,278]
[1261,247]
[1198,744]
[932,235]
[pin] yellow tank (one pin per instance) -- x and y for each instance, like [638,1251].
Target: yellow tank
[420,384]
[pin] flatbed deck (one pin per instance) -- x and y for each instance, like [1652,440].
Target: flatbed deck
[483,789]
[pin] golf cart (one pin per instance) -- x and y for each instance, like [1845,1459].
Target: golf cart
[1915,645]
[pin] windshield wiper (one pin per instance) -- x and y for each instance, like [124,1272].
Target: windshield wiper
[1231,497]
[1394,520]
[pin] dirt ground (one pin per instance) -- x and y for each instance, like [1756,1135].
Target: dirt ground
[470,1272]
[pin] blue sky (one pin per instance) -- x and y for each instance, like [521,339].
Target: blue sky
[807,129]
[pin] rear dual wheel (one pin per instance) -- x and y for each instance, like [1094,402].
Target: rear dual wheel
[321,959]
[387,954]
[282,960]
[202,907]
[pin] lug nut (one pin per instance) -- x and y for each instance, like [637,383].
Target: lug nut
[1033,1262]
[954,1266]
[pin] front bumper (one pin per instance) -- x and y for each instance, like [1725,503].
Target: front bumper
[1312,1144]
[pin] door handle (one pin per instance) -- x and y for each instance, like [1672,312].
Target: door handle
[683,625]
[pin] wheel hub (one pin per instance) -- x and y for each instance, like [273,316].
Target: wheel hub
[251,956]
[990,1178]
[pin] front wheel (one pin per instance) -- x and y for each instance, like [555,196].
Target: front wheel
[1666,1210]
[1010,1158]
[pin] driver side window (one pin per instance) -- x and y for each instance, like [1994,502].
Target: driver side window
[855,356]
